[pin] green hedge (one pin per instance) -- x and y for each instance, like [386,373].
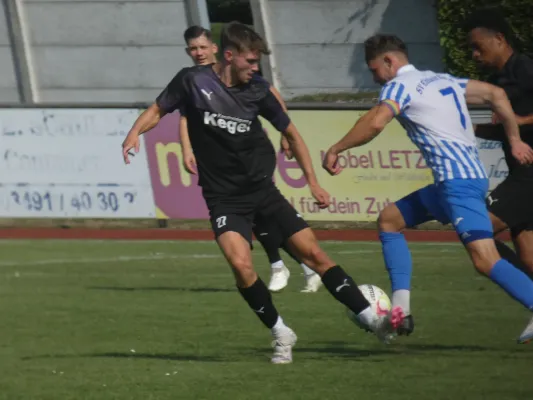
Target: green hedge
[452,14]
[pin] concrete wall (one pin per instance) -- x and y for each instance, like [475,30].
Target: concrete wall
[116,51]
[83,51]
[8,81]
[318,43]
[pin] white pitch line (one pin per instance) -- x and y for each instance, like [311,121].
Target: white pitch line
[155,257]
[378,251]
[105,260]
[378,243]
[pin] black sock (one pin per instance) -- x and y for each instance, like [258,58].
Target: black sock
[271,246]
[508,254]
[273,255]
[344,289]
[290,253]
[260,300]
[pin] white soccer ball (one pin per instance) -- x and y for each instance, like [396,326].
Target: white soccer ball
[378,299]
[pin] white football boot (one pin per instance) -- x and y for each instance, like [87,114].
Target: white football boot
[384,327]
[312,283]
[279,279]
[283,344]
[527,335]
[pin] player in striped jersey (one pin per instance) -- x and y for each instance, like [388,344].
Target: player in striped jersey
[432,108]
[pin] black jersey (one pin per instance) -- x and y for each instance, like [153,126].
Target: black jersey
[516,78]
[233,153]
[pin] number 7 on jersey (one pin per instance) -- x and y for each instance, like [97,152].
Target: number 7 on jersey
[451,91]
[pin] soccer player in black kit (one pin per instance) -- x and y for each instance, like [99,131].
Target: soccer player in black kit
[202,51]
[236,161]
[511,202]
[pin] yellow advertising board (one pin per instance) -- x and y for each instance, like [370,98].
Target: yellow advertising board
[380,172]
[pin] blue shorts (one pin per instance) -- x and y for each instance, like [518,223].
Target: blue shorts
[459,201]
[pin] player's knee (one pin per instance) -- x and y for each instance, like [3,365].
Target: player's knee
[390,219]
[243,269]
[483,266]
[314,254]
[316,258]
[484,255]
[483,262]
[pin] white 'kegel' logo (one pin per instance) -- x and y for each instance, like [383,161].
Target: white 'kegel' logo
[231,124]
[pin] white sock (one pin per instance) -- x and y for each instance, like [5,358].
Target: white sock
[307,271]
[367,316]
[277,265]
[279,327]
[402,298]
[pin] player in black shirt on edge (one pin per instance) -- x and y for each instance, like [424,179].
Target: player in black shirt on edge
[236,162]
[511,202]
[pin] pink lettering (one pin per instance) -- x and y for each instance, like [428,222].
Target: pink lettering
[374,206]
[381,161]
[371,201]
[308,205]
[421,164]
[394,158]
[406,153]
[284,166]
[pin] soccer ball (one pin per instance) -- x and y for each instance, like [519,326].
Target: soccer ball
[378,299]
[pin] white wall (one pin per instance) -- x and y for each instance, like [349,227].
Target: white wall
[318,43]
[82,51]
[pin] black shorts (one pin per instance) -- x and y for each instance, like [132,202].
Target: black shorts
[512,202]
[238,213]
[268,232]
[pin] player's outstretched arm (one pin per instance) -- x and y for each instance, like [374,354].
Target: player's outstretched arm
[524,119]
[365,130]
[271,108]
[146,121]
[189,161]
[169,100]
[301,153]
[478,92]
[520,119]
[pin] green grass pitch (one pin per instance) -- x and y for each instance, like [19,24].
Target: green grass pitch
[162,320]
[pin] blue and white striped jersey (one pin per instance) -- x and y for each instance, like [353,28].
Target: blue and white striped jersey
[432,109]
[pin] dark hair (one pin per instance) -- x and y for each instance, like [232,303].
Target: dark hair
[490,19]
[194,32]
[378,44]
[242,38]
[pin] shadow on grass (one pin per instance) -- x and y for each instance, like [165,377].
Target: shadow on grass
[129,355]
[340,348]
[421,347]
[164,288]
[317,351]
